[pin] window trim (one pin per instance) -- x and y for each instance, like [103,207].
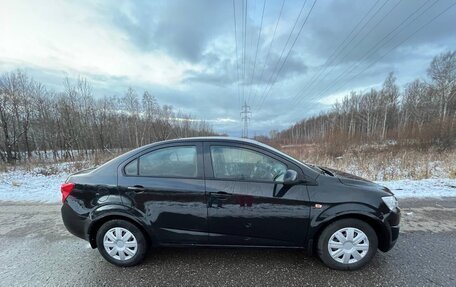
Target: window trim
[210,168]
[199,165]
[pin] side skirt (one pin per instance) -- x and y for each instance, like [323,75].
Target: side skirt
[229,246]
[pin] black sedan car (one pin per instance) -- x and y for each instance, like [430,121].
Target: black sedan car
[219,191]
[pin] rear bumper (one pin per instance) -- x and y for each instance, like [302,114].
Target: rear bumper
[77,224]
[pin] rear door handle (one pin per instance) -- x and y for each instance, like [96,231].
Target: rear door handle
[136,188]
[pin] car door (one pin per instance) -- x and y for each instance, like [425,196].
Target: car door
[247,204]
[166,185]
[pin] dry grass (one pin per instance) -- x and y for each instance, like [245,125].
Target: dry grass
[51,167]
[385,163]
[371,162]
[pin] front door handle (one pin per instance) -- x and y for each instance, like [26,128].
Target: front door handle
[220,194]
[217,199]
[136,188]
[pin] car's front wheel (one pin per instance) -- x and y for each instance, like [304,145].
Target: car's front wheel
[121,243]
[347,244]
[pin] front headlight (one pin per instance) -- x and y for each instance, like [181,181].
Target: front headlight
[390,201]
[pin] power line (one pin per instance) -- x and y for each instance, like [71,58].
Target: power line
[283,49]
[288,54]
[336,52]
[256,51]
[361,39]
[245,41]
[250,47]
[401,42]
[269,49]
[376,48]
[237,57]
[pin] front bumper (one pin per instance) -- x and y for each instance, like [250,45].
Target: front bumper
[391,231]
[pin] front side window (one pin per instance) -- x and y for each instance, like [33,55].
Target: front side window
[169,162]
[244,164]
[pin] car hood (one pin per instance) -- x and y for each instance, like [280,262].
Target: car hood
[351,179]
[344,176]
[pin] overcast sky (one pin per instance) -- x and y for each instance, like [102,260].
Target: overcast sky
[184,52]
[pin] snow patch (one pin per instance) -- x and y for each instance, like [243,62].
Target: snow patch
[20,185]
[432,187]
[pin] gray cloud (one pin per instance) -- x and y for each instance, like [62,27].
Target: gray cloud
[179,28]
[338,18]
[223,72]
[201,33]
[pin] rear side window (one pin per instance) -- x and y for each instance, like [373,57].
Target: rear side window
[178,161]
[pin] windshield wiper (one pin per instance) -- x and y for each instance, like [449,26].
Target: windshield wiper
[325,171]
[317,168]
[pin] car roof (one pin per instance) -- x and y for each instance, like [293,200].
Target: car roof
[211,138]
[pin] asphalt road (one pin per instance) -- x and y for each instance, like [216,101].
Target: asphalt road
[38,251]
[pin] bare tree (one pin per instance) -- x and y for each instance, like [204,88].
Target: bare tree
[443,74]
[423,115]
[74,122]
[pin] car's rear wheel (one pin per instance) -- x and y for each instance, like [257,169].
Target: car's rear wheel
[121,243]
[347,244]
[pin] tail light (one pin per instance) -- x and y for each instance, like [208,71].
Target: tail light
[66,189]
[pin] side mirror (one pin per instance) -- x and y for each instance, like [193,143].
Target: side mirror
[290,177]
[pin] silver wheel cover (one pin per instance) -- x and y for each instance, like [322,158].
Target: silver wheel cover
[348,245]
[120,243]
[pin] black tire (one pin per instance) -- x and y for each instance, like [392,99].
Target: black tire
[142,244]
[322,246]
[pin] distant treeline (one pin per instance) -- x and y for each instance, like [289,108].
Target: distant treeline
[423,114]
[37,122]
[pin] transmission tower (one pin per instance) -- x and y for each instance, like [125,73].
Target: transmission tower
[245,116]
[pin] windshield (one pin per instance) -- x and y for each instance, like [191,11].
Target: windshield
[283,154]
